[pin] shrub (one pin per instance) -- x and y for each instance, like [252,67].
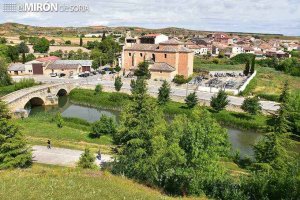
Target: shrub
[98,89]
[164,93]
[104,126]
[25,83]
[179,79]
[242,58]
[219,101]
[118,68]
[59,120]
[251,105]
[87,160]
[118,83]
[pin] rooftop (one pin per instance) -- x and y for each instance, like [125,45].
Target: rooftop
[161,66]
[16,67]
[48,59]
[74,62]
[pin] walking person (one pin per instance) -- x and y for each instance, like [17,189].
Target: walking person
[99,155]
[49,144]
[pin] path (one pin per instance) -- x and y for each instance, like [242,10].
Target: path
[61,156]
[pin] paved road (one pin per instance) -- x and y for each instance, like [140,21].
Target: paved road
[153,87]
[61,156]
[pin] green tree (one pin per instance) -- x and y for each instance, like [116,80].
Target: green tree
[52,42]
[13,53]
[4,112]
[14,152]
[41,45]
[80,41]
[220,101]
[87,160]
[68,42]
[118,83]
[247,68]
[294,113]
[5,79]
[164,93]
[3,40]
[59,120]
[191,100]
[143,70]
[252,68]
[104,126]
[117,68]
[23,49]
[29,57]
[251,105]
[98,89]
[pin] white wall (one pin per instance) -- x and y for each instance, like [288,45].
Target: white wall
[161,38]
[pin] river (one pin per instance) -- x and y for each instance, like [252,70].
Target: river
[240,140]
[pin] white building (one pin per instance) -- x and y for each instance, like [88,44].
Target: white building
[153,38]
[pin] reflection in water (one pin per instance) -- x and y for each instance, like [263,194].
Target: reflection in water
[240,140]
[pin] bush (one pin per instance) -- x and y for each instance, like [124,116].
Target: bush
[59,120]
[118,83]
[104,126]
[251,105]
[25,83]
[242,58]
[179,79]
[87,160]
[98,89]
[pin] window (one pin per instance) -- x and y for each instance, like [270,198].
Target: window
[160,71]
[141,54]
[165,55]
[129,54]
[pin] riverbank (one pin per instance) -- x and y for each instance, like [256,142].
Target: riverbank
[116,101]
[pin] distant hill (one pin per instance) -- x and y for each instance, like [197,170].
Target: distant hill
[15,29]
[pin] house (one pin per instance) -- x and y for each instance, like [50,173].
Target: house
[153,38]
[234,50]
[277,54]
[166,59]
[249,50]
[198,49]
[16,69]
[67,69]
[222,38]
[86,65]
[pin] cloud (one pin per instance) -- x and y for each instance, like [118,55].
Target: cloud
[270,16]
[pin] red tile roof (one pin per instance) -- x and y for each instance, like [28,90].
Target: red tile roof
[48,59]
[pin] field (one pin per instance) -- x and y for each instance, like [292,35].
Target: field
[267,83]
[51,182]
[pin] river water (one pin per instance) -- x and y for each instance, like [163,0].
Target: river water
[240,140]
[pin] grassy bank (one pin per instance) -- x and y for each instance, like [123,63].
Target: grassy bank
[233,119]
[50,182]
[74,134]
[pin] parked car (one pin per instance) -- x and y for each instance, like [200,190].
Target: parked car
[62,75]
[53,74]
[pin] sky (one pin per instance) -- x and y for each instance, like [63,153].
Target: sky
[260,16]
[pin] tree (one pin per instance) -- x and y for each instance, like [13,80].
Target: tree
[80,41]
[52,42]
[118,83]
[95,64]
[164,93]
[3,40]
[41,45]
[252,69]
[4,112]
[14,152]
[220,101]
[98,89]
[29,57]
[247,68]
[5,79]
[68,42]
[143,70]
[191,100]
[87,160]
[23,49]
[104,126]
[251,105]
[117,68]
[13,53]
[59,120]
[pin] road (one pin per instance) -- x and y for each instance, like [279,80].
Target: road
[153,87]
[61,156]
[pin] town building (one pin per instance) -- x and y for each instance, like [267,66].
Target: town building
[166,59]
[16,69]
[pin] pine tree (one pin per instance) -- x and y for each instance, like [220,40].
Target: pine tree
[118,83]
[4,112]
[80,41]
[87,160]
[164,93]
[143,70]
[251,105]
[14,152]
[220,101]
[247,68]
[191,100]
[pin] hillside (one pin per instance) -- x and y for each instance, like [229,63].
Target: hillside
[15,29]
[51,182]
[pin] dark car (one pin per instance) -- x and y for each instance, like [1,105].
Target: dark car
[62,75]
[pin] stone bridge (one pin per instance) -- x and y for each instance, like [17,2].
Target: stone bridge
[42,95]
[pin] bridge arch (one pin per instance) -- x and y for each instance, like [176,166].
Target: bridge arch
[35,101]
[62,92]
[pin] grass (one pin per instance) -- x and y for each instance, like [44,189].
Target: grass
[74,134]
[52,182]
[199,65]
[4,90]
